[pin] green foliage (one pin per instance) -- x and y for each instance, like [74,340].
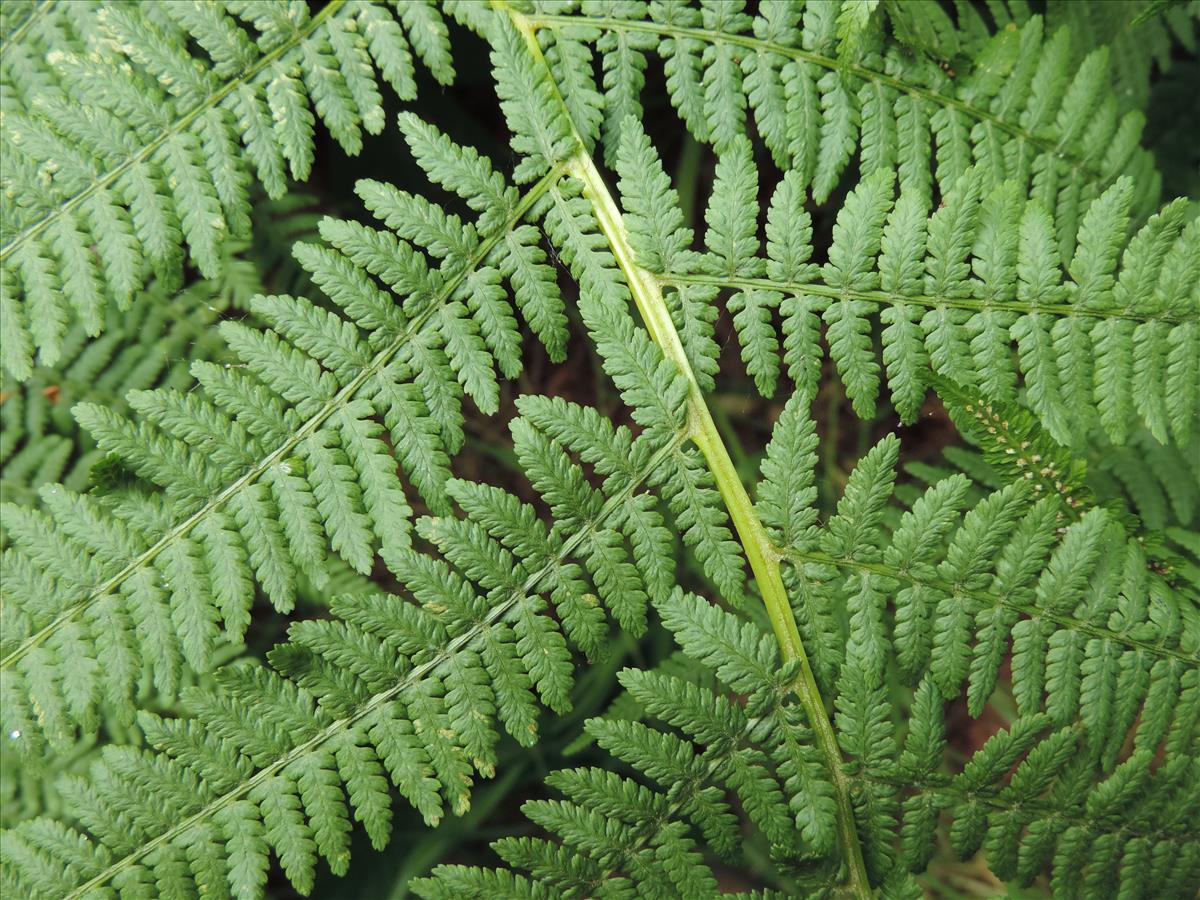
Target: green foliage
[1110,340]
[411,690]
[146,346]
[1046,791]
[1149,487]
[149,345]
[130,134]
[1140,35]
[278,454]
[824,87]
[1001,242]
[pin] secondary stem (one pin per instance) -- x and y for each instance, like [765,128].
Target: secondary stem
[762,555]
[971,304]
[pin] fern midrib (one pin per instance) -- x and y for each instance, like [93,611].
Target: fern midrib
[333,405]
[988,600]
[759,45]
[648,298]
[610,509]
[34,230]
[1062,310]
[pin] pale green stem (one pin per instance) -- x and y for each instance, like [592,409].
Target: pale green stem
[760,552]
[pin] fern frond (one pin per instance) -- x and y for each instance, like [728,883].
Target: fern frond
[1161,483]
[282,453]
[955,290]
[823,89]
[1026,796]
[30,786]
[147,346]
[282,459]
[848,554]
[123,145]
[1152,489]
[413,690]
[1060,762]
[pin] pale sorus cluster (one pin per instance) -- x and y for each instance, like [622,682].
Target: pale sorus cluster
[480,449]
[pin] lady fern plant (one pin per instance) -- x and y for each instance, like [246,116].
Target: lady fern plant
[1000,242]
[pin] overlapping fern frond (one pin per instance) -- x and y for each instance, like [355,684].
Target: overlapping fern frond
[1114,339]
[1141,36]
[1161,483]
[32,786]
[1094,780]
[131,131]
[1027,795]
[281,452]
[1153,489]
[411,689]
[149,345]
[1025,110]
